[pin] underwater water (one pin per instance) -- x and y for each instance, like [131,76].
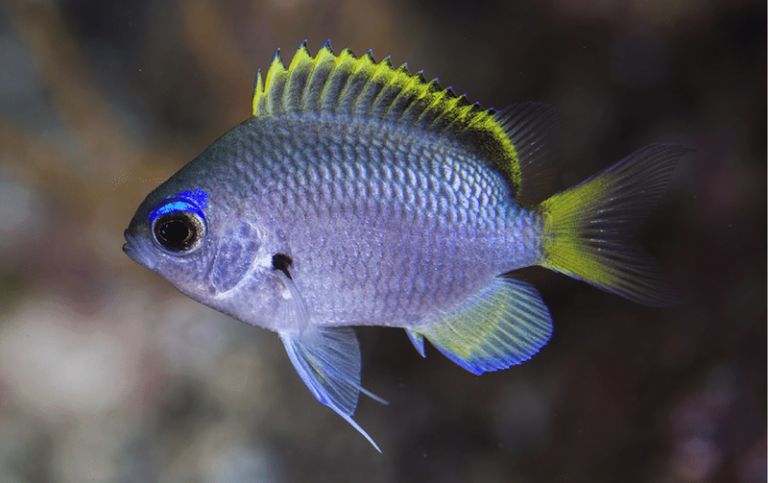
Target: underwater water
[107,373]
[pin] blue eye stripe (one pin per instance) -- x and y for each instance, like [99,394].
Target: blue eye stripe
[177,205]
[187,201]
[200,197]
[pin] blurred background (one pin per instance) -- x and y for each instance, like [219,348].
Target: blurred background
[107,374]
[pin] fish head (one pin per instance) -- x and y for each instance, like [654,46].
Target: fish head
[198,237]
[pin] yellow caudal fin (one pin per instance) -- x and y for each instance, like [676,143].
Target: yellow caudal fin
[588,229]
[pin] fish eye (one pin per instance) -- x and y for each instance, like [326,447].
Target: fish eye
[178,228]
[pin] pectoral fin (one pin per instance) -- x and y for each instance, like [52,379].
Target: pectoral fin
[503,325]
[293,312]
[328,361]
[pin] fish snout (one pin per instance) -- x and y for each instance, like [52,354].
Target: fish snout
[136,250]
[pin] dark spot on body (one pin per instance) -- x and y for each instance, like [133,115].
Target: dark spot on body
[281,261]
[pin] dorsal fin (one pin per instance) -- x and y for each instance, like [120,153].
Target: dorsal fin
[535,129]
[361,87]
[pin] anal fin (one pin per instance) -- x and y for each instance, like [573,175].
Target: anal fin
[418,341]
[504,324]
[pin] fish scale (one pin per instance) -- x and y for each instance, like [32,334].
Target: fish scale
[391,175]
[361,194]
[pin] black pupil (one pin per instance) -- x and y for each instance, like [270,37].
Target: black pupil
[175,231]
[177,234]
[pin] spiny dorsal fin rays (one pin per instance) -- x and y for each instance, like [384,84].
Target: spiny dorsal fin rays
[298,79]
[397,89]
[337,78]
[258,86]
[359,75]
[375,85]
[360,87]
[324,64]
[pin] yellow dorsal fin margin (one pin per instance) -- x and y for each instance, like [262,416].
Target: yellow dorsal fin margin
[360,87]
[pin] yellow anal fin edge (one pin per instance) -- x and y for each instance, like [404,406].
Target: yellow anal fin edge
[503,325]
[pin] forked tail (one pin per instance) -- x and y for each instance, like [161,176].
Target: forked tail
[588,228]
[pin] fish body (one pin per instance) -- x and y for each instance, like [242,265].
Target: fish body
[376,234]
[360,194]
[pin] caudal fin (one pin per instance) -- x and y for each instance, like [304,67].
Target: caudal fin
[588,228]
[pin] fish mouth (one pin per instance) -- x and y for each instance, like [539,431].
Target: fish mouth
[133,248]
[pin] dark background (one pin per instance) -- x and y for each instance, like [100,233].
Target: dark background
[108,374]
